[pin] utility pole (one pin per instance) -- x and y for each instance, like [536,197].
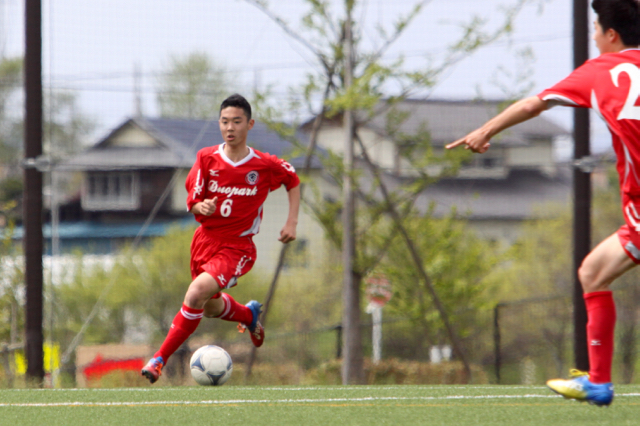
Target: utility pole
[352,368]
[32,203]
[581,188]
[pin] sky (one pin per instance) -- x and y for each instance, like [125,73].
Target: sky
[91,48]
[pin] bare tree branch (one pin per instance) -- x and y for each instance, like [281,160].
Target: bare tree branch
[282,24]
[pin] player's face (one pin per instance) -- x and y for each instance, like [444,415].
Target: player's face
[234,126]
[602,38]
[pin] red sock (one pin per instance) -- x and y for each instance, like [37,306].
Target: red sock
[233,311]
[185,322]
[601,311]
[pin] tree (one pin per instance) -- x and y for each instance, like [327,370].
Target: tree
[458,263]
[374,89]
[65,131]
[193,86]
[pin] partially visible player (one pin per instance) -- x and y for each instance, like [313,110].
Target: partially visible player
[610,85]
[227,187]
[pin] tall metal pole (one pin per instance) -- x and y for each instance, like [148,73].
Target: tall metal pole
[352,368]
[32,203]
[581,188]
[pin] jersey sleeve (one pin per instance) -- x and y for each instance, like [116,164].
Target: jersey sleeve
[574,90]
[195,183]
[283,173]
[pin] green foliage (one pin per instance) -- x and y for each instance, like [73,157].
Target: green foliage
[77,296]
[148,284]
[193,86]
[397,372]
[458,264]
[11,287]
[541,260]
[65,129]
[157,276]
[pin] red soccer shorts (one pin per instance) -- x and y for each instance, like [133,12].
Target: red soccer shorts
[629,234]
[224,258]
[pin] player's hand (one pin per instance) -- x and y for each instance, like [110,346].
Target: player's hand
[288,233]
[476,141]
[208,207]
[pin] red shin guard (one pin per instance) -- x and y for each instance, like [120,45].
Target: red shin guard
[184,323]
[600,334]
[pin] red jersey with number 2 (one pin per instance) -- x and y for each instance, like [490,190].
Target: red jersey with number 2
[610,85]
[241,188]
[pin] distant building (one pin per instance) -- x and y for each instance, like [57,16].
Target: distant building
[140,168]
[497,190]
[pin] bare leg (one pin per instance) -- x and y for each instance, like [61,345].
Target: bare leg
[603,265]
[200,291]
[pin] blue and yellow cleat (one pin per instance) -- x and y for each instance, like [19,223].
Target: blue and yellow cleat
[580,388]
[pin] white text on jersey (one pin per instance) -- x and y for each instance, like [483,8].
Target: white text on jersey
[230,191]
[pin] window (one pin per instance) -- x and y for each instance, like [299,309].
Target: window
[111,191]
[485,161]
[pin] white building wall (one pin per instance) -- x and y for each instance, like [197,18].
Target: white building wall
[276,211]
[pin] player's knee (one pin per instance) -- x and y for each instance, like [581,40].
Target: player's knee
[592,279]
[587,277]
[197,295]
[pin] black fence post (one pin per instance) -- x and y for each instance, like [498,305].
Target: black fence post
[496,340]
[338,329]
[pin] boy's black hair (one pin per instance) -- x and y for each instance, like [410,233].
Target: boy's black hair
[623,16]
[237,101]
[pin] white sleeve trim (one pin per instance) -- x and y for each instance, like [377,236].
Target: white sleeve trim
[555,100]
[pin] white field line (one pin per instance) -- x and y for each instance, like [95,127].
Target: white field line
[281,401]
[282,389]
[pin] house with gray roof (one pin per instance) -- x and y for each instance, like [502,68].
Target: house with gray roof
[139,169]
[495,191]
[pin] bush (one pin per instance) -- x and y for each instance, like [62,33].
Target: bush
[398,372]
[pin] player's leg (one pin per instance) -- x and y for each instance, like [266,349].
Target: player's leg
[184,323]
[232,262]
[600,268]
[226,308]
[604,264]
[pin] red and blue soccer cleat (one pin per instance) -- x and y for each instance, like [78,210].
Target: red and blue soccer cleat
[580,388]
[256,331]
[153,369]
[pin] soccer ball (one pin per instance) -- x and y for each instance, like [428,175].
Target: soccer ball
[211,366]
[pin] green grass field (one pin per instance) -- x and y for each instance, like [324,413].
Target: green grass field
[321,405]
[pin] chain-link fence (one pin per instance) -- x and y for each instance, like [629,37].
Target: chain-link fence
[122,125]
[533,338]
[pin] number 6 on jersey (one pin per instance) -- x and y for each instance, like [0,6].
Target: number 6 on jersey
[225,207]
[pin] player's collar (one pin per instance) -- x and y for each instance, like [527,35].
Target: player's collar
[226,159]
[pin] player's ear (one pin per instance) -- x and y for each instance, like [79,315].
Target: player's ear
[251,123]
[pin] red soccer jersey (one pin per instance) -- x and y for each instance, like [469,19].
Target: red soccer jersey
[241,188]
[610,85]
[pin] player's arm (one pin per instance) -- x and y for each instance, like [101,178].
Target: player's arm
[523,110]
[206,207]
[288,232]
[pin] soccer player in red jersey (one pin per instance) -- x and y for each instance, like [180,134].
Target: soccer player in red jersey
[610,85]
[227,187]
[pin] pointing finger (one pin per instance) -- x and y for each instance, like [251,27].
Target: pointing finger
[456,143]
